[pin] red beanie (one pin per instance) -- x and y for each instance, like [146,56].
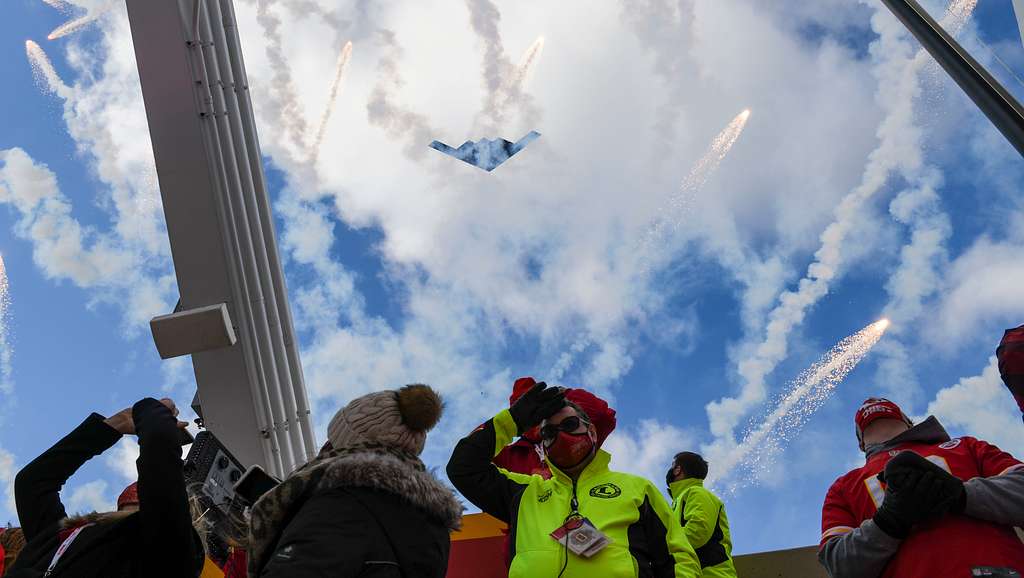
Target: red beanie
[129,497]
[1011,363]
[602,416]
[875,408]
[521,386]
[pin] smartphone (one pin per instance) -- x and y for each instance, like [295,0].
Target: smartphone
[254,483]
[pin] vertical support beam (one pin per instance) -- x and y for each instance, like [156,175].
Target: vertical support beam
[998,105]
[218,219]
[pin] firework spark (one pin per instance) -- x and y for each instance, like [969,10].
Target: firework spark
[5,344]
[806,394]
[681,201]
[526,64]
[339,75]
[43,71]
[957,15]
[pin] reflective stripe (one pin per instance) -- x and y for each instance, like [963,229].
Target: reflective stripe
[64,548]
[836,531]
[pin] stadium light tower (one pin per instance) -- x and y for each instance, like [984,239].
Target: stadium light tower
[233,316]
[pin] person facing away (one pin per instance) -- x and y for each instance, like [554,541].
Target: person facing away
[923,505]
[701,514]
[151,533]
[582,493]
[366,505]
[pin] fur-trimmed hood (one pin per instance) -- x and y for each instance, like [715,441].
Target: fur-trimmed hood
[387,473]
[93,518]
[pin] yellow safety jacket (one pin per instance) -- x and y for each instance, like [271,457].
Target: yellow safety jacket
[628,509]
[702,517]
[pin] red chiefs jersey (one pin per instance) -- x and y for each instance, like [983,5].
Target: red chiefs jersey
[948,547]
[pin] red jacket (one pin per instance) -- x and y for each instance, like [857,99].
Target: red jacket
[523,457]
[950,546]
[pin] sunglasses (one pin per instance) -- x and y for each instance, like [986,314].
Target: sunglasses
[567,425]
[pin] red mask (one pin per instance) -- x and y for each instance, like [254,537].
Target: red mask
[570,449]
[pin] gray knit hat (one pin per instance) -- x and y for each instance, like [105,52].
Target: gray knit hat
[396,418]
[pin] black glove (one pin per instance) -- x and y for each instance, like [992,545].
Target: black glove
[536,405]
[903,508]
[953,496]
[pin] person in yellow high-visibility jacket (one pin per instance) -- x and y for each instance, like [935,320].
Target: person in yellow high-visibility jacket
[627,509]
[701,514]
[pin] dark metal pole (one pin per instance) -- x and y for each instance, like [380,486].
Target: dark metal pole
[998,105]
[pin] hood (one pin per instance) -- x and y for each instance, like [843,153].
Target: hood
[930,431]
[389,474]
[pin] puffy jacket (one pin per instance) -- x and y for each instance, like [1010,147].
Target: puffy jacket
[369,516]
[158,541]
[702,516]
[627,508]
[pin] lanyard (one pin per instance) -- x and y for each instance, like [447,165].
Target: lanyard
[63,548]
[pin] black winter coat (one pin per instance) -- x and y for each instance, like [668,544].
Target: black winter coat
[373,517]
[158,541]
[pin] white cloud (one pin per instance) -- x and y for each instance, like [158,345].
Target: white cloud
[121,459]
[89,497]
[980,406]
[898,68]
[647,449]
[982,292]
[8,470]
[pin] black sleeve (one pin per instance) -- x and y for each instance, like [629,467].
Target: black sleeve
[37,486]
[480,481]
[648,542]
[165,523]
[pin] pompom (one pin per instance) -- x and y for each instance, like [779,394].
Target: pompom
[420,406]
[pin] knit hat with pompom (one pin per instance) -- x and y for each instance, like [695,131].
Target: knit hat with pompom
[395,418]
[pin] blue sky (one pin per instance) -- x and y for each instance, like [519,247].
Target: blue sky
[405,265]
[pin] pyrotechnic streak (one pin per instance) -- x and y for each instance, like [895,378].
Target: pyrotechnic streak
[77,24]
[807,393]
[5,343]
[681,201]
[43,71]
[332,100]
[526,63]
[707,165]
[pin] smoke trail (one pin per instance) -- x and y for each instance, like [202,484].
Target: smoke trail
[42,69]
[61,5]
[899,150]
[503,81]
[79,23]
[806,395]
[5,344]
[284,101]
[382,110]
[339,75]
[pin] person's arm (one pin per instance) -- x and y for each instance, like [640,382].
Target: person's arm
[672,556]
[997,496]
[165,523]
[37,486]
[470,470]
[852,548]
[699,517]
